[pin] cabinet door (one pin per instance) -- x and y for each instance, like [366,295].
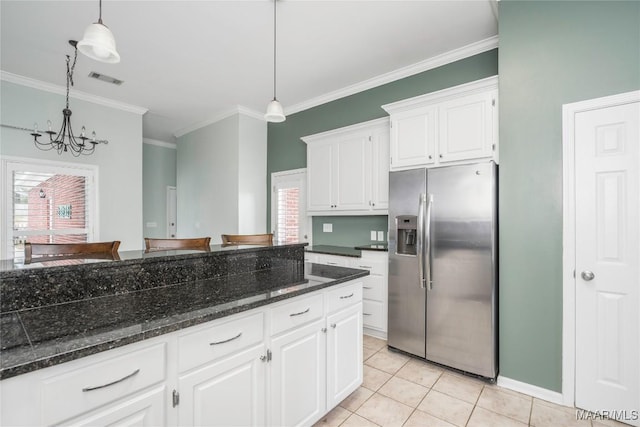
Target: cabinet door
[380,168]
[352,158]
[466,127]
[344,354]
[413,136]
[145,409]
[298,376]
[229,392]
[320,173]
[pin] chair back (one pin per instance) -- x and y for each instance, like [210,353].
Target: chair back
[52,251]
[247,239]
[201,243]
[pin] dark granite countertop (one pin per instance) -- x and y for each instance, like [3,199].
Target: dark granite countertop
[35,338]
[380,247]
[346,251]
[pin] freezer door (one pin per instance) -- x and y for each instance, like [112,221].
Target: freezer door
[406,296]
[461,302]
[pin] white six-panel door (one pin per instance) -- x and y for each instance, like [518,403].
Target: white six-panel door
[607,275]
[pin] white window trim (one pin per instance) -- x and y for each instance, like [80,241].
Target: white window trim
[8,163]
[293,173]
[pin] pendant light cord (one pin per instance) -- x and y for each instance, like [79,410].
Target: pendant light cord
[100,13]
[70,71]
[274,48]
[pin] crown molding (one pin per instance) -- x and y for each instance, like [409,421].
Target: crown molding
[61,90]
[159,143]
[419,67]
[238,109]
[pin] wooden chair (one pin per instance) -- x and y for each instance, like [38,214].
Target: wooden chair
[35,252]
[201,243]
[247,239]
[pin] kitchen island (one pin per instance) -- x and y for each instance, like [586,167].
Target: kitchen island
[171,315]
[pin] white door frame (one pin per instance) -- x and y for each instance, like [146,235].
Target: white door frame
[569,112]
[168,210]
[303,199]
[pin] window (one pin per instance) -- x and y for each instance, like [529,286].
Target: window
[46,203]
[288,206]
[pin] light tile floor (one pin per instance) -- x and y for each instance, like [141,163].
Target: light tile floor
[401,391]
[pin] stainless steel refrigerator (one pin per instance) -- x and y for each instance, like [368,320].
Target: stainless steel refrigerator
[443,265]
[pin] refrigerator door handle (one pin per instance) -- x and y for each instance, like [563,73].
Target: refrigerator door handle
[420,239]
[427,232]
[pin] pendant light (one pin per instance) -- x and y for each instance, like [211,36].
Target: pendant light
[98,42]
[275,113]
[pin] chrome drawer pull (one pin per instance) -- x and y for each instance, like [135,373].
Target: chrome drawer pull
[302,312]
[365,266]
[224,341]
[366,314]
[347,296]
[332,263]
[367,287]
[112,383]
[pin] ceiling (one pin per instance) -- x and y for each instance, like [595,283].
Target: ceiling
[189,61]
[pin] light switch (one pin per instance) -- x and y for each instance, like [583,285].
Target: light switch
[327,228]
[381,236]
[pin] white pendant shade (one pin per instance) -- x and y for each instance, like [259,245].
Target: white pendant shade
[98,43]
[275,113]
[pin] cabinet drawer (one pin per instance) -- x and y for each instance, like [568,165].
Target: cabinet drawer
[373,265]
[295,313]
[344,296]
[373,288]
[333,260]
[80,390]
[372,314]
[219,340]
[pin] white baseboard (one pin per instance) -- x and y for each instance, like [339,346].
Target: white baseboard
[375,333]
[531,390]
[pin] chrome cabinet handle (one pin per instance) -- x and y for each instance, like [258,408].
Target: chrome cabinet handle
[332,263]
[227,340]
[366,314]
[333,325]
[587,275]
[302,312]
[346,296]
[365,266]
[324,330]
[367,287]
[111,383]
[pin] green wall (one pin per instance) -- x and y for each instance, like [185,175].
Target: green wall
[286,151]
[348,230]
[551,53]
[158,173]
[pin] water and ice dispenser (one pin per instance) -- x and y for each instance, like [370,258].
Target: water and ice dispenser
[406,228]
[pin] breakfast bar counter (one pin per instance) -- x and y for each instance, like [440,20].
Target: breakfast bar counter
[54,313]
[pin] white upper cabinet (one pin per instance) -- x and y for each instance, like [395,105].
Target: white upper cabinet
[348,170]
[451,126]
[413,138]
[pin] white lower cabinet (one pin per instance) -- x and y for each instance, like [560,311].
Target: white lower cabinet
[298,376]
[375,285]
[344,353]
[146,409]
[285,364]
[227,392]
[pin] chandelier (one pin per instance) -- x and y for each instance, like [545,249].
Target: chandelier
[65,140]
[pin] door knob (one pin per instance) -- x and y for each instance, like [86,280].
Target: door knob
[587,275]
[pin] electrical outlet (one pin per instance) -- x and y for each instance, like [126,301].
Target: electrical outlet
[381,236]
[373,235]
[327,228]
